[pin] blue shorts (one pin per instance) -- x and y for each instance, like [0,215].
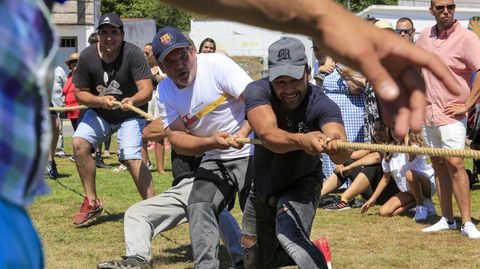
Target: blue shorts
[95,130]
[20,245]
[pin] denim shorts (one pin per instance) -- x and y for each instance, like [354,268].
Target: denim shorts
[95,130]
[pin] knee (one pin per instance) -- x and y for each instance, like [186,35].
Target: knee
[80,146]
[384,212]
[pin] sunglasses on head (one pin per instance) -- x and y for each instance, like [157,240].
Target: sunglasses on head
[449,7]
[406,31]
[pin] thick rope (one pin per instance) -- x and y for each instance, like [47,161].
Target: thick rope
[132,108]
[475,154]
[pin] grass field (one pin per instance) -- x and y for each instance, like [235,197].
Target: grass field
[356,240]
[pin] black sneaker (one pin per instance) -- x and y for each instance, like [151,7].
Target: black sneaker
[130,262]
[356,203]
[337,206]
[52,170]
[99,162]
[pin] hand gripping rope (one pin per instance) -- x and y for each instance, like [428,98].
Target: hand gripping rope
[441,152]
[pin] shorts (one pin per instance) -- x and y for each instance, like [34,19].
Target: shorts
[450,136]
[95,130]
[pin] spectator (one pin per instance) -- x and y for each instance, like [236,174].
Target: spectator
[207,46]
[59,78]
[413,177]
[157,76]
[445,120]
[68,91]
[404,27]
[110,70]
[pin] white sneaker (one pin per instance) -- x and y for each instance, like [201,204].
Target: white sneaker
[428,203]
[469,230]
[441,225]
[420,213]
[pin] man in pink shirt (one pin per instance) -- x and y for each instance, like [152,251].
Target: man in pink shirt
[445,119]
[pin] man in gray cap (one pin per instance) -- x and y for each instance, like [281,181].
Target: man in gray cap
[296,121]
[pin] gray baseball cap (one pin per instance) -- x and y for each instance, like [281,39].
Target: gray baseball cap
[286,57]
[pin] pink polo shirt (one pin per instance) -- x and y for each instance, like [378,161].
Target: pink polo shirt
[459,49]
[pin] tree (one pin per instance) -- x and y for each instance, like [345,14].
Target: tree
[161,12]
[359,5]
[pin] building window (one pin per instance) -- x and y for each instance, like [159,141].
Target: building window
[68,42]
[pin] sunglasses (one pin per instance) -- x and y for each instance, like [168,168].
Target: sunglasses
[405,31]
[449,7]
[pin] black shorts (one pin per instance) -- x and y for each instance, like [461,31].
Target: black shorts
[374,174]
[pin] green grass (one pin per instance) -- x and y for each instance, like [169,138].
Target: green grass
[356,240]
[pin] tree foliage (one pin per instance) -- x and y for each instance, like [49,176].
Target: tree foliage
[167,15]
[155,9]
[359,5]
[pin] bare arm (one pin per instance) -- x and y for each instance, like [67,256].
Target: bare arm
[144,94]
[187,144]
[85,97]
[389,62]
[458,109]
[154,131]
[380,187]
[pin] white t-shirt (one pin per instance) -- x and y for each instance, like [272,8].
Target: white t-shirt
[399,165]
[216,75]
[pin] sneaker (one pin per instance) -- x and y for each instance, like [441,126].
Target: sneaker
[441,225]
[421,213]
[130,262]
[428,203]
[337,206]
[149,166]
[99,162]
[469,230]
[120,168]
[52,170]
[322,245]
[88,213]
[356,203]
[60,154]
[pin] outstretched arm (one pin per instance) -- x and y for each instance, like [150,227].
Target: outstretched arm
[389,62]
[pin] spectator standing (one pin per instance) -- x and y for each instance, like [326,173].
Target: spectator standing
[404,27]
[57,100]
[68,91]
[445,120]
[208,45]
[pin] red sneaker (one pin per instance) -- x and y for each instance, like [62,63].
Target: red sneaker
[88,213]
[322,245]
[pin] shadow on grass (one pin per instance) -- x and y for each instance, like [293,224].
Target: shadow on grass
[183,254]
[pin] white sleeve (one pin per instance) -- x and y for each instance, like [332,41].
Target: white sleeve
[166,112]
[230,76]
[385,166]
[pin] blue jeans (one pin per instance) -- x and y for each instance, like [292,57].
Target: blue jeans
[282,224]
[20,245]
[95,130]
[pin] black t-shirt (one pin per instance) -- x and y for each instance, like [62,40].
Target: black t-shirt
[184,166]
[274,172]
[116,78]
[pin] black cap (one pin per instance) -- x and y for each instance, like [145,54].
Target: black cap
[111,19]
[167,39]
